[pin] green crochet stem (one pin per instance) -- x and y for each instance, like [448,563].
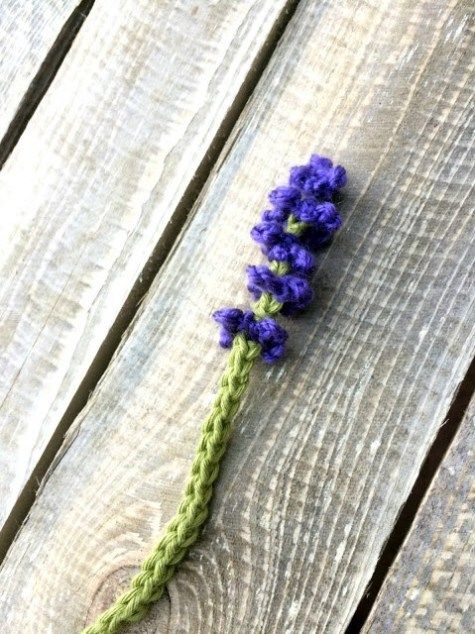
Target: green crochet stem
[183,530]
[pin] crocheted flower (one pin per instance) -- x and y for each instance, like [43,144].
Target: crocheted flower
[300,260]
[284,197]
[266,332]
[292,291]
[321,215]
[318,178]
[302,219]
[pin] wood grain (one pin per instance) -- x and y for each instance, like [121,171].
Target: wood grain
[27,33]
[431,585]
[92,186]
[330,441]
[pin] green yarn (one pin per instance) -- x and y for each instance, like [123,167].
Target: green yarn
[183,530]
[148,585]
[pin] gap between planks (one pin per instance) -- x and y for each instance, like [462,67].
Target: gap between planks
[159,254]
[43,78]
[409,511]
[431,586]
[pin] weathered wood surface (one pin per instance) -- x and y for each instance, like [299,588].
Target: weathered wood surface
[27,32]
[330,441]
[92,185]
[431,587]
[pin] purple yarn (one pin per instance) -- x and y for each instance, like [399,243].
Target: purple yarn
[316,239]
[266,332]
[283,247]
[324,166]
[231,321]
[318,178]
[321,215]
[278,215]
[269,233]
[270,336]
[293,291]
[284,197]
[308,199]
[299,258]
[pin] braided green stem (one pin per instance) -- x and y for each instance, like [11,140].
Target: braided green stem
[183,530]
[148,585]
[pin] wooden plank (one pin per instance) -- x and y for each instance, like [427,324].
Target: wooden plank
[92,186]
[330,441]
[27,33]
[431,587]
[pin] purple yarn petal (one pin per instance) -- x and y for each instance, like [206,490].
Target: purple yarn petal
[317,239]
[321,215]
[291,251]
[318,178]
[301,260]
[299,295]
[284,197]
[300,175]
[339,177]
[267,332]
[229,318]
[293,291]
[277,215]
[271,338]
[268,233]
[323,168]
[320,163]
[225,338]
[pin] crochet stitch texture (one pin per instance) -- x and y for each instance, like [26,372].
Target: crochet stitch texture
[302,219]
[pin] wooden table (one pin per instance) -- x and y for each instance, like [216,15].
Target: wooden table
[140,138]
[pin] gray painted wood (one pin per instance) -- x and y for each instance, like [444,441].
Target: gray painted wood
[431,587]
[27,33]
[92,186]
[329,442]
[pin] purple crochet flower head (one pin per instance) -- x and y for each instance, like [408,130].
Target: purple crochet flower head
[318,178]
[302,219]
